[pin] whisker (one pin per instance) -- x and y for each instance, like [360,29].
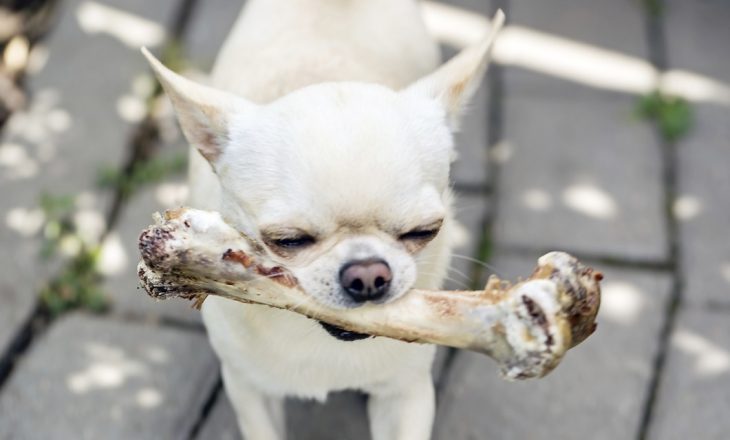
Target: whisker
[460,283]
[449,269]
[493,269]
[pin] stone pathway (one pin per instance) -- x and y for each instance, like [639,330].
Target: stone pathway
[549,159]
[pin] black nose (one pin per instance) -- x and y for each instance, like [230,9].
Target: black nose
[366,280]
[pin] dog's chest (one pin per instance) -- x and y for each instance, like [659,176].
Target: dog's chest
[287,354]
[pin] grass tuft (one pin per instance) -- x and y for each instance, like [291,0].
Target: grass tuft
[673,115]
[78,283]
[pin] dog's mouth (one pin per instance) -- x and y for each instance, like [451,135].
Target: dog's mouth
[342,334]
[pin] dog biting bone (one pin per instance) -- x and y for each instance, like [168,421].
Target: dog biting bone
[526,327]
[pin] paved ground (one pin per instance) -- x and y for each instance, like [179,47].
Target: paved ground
[553,156]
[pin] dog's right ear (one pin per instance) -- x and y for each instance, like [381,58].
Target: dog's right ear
[204,113]
[454,83]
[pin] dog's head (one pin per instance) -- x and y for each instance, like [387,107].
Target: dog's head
[345,183]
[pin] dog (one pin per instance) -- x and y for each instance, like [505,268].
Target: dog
[328,136]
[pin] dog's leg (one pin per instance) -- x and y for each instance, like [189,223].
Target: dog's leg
[260,417]
[404,412]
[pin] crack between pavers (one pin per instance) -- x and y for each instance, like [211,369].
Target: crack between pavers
[40,319]
[215,394]
[639,263]
[495,111]
[659,58]
[33,326]
[160,321]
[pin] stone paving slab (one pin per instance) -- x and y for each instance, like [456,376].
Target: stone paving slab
[599,389]
[696,36]
[590,26]
[20,281]
[122,284]
[612,24]
[71,128]
[83,104]
[693,396]
[580,174]
[93,377]
[703,208]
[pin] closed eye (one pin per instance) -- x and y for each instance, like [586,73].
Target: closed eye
[293,243]
[419,234]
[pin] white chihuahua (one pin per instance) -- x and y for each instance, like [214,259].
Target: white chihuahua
[346,183]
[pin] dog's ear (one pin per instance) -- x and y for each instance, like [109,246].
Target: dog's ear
[204,112]
[454,83]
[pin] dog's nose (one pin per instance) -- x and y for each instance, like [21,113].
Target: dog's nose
[366,280]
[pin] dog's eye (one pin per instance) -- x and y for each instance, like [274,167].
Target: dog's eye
[291,243]
[419,234]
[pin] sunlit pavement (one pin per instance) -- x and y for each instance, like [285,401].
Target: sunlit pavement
[552,156]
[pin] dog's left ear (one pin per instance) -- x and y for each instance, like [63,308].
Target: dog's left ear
[454,83]
[204,112]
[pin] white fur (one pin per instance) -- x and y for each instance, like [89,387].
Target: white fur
[318,129]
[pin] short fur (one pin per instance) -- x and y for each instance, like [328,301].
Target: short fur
[326,120]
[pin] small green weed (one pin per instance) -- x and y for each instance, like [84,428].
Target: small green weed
[78,283]
[673,115]
[77,286]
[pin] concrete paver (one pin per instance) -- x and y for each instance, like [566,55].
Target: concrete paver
[20,281]
[693,392]
[703,207]
[92,378]
[580,174]
[597,391]
[82,107]
[604,32]
[616,25]
[693,398]
[697,36]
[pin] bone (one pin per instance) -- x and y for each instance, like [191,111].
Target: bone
[526,327]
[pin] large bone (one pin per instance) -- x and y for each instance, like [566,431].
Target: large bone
[526,327]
